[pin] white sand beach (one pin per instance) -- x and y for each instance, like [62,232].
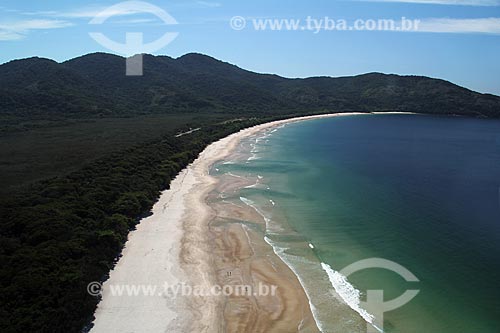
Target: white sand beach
[174,246]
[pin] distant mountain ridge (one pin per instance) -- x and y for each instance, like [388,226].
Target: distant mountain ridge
[74,185]
[96,85]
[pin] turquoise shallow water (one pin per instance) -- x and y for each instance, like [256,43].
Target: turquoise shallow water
[420,191]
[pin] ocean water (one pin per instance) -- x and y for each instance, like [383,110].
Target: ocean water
[419,191]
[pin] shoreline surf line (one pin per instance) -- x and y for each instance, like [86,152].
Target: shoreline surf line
[179,222]
[349,295]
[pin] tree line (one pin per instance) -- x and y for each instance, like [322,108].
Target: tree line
[60,234]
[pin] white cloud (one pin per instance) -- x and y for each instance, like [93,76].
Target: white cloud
[36,25]
[135,21]
[94,11]
[40,13]
[19,29]
[86,13]
[10,35]
[446,2]
[447,25]
[91,13]
[208,4]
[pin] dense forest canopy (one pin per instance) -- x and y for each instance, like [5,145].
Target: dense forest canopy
[62,233]
[36,91]
[86,150]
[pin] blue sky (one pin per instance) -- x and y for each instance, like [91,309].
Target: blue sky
[458,40]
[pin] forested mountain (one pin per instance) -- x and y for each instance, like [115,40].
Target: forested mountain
[95,85]
[86,150]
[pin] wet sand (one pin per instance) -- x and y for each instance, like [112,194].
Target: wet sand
[194,240]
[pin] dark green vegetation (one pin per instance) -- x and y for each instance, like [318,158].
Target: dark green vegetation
[56,117]
[102,146]
[66,232]
[36,154]
[39,92]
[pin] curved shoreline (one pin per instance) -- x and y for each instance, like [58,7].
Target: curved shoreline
[204,247]
[178,245]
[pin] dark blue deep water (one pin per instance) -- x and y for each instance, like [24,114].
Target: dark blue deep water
[421,191]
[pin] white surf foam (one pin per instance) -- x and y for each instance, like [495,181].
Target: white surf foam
[349,294]
[233,175]
[253,158]
[280,252]
[270,227]
[250,203]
